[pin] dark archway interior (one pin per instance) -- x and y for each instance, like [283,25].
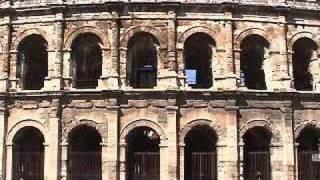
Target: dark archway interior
[87,60]
[32,65]
[309,145]
[309,139]
[302,54]
[143,154]
[198,57]
[85,139]
[200,153]
[28,154]
[84,154]
[257,154]
[251,62]
[142,60]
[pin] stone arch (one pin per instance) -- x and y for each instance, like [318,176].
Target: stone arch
[147,29]
[248,32]
[101,129]
[215,127]
[193,30]
[27,123]
[300,35]
[86,29]
[140,123]
[275,134]
[33,31]
[305,124]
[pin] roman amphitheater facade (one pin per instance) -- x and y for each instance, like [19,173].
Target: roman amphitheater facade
[257,67]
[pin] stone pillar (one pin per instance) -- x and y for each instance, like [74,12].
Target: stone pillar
[172,157]
[47,163]
[164,175]
[9,161]
[241,159]
[5,55]
[110,77]
[181,160]
[276,158]
[55,57]
[104,159]
[113,139]
[313,69]
[231,156]
[168,76]
[67,69]
[2,139]
[281,76]
[53,140]
[122,163]
[288,141]
[15,83]
[64,161]
[224,78]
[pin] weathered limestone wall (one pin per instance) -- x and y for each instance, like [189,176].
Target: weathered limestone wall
[172,108]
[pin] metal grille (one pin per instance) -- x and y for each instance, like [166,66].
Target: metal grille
[84,166]
[28,166]
[204,166]
[308,169]
[146,166]
[257,165]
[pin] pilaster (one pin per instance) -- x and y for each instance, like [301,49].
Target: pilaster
[168,76]
[172,149]
[111,164]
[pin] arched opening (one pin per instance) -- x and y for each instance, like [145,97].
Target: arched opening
[253,54]
[28,154]
[308,154]
[142,60]
[86,57]
[198,52]
[257,154]
[32,64]
[84,154]
[200,154]
[304,50]
[143,154]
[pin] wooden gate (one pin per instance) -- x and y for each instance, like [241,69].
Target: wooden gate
[204,166]
[84,166]
[28,166]
[146,166]
[308,169]
[257,166]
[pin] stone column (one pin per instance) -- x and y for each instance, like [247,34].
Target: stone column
[104,159]
[47,163]
[168,76]
[313,69]
[5,55]
[288,141]
[113,139]
[110,76]
[231,156]
[164,175]
[55,57]
[122,163]
[224,78]
[15,83]
[2,139]
[64,161]
[53,140]
[276,158]
[67,69]
[172,157]
[9,161]
[181,160]
[241,159]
